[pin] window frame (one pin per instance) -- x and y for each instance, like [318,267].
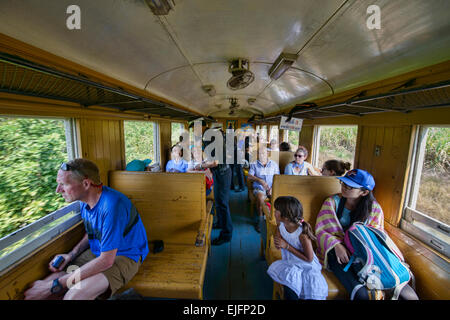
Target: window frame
[315,153]
[72,145]
[156,140]
[423,227]
[30,246]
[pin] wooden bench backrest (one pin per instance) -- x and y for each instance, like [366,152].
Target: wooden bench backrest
[171,205]
[310,190]
[285,158]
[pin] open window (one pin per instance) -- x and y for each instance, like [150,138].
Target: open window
[177,130]
[273,138]
[141,139]
[335,142]
[426,213]
[31,212]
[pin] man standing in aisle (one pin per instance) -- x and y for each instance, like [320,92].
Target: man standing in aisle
[222,182]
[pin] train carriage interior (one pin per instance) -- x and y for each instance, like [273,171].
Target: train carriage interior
[117,80]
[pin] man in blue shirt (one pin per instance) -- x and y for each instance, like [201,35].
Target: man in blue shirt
[261,174]
[113,248]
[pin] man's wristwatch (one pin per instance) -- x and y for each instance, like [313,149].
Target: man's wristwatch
[56,286]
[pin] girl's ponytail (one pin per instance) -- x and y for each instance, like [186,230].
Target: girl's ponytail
[307,229]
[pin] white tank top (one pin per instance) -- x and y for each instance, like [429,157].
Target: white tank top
[292,239]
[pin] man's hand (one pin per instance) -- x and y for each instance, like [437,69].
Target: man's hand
[39,290]
[67,259]
[265,185]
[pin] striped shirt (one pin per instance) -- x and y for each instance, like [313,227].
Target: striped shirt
[329,231]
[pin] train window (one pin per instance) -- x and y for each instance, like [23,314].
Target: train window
[293,138]
[426,213]
[31,151]
[141,140]
[273,135]
[177,130]
[335,142]
[263,133]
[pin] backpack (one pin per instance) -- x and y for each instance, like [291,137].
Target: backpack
[380,263]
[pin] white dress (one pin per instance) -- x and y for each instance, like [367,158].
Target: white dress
[304,278]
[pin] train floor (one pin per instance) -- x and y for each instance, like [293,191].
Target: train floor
[235,270]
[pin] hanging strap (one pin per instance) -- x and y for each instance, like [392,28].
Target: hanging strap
[134,218]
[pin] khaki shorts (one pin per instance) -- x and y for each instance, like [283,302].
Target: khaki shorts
[121,272]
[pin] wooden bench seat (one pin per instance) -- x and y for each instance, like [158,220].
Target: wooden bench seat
[176,272]
[172,207]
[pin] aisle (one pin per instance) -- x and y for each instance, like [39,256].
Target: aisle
[235,269]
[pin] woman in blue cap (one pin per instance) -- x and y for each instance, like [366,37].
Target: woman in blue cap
[355,203]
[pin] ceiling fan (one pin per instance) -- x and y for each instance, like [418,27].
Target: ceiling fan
[242,76]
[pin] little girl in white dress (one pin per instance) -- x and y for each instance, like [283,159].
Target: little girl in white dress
[299,269]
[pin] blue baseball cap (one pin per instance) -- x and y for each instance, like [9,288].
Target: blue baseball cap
[358,178]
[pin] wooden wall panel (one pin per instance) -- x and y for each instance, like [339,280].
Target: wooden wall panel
[389,167]
[165,135]
[306,139]
[102,142]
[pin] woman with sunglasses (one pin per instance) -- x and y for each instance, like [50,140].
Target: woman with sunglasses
[357,205]
[300,167]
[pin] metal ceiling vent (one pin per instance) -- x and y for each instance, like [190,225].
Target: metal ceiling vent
[242,76]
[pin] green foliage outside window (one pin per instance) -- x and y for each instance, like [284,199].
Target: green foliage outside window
[139,143]
[31,151]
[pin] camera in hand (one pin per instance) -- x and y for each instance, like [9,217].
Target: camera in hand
[58,262]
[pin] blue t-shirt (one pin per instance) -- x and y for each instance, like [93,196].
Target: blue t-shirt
[107,222]
[181,166]
[345,218]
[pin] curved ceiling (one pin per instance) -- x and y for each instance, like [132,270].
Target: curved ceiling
[173,56]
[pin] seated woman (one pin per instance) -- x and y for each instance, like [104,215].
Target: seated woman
[359,206]
[196,165]
[335,167]
[176,164]
[261,174]
[299,167]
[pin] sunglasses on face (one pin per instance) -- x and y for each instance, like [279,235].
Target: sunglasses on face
[346,186]
[299,155]
[65,167]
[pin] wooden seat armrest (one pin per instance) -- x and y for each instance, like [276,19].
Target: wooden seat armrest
[203,229]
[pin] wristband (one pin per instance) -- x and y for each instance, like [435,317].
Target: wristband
[287,246]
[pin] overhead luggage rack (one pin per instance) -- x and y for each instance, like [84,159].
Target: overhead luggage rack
[424,97]
[19,76]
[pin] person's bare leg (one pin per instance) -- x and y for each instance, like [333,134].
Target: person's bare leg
[89,288]
[259,204]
